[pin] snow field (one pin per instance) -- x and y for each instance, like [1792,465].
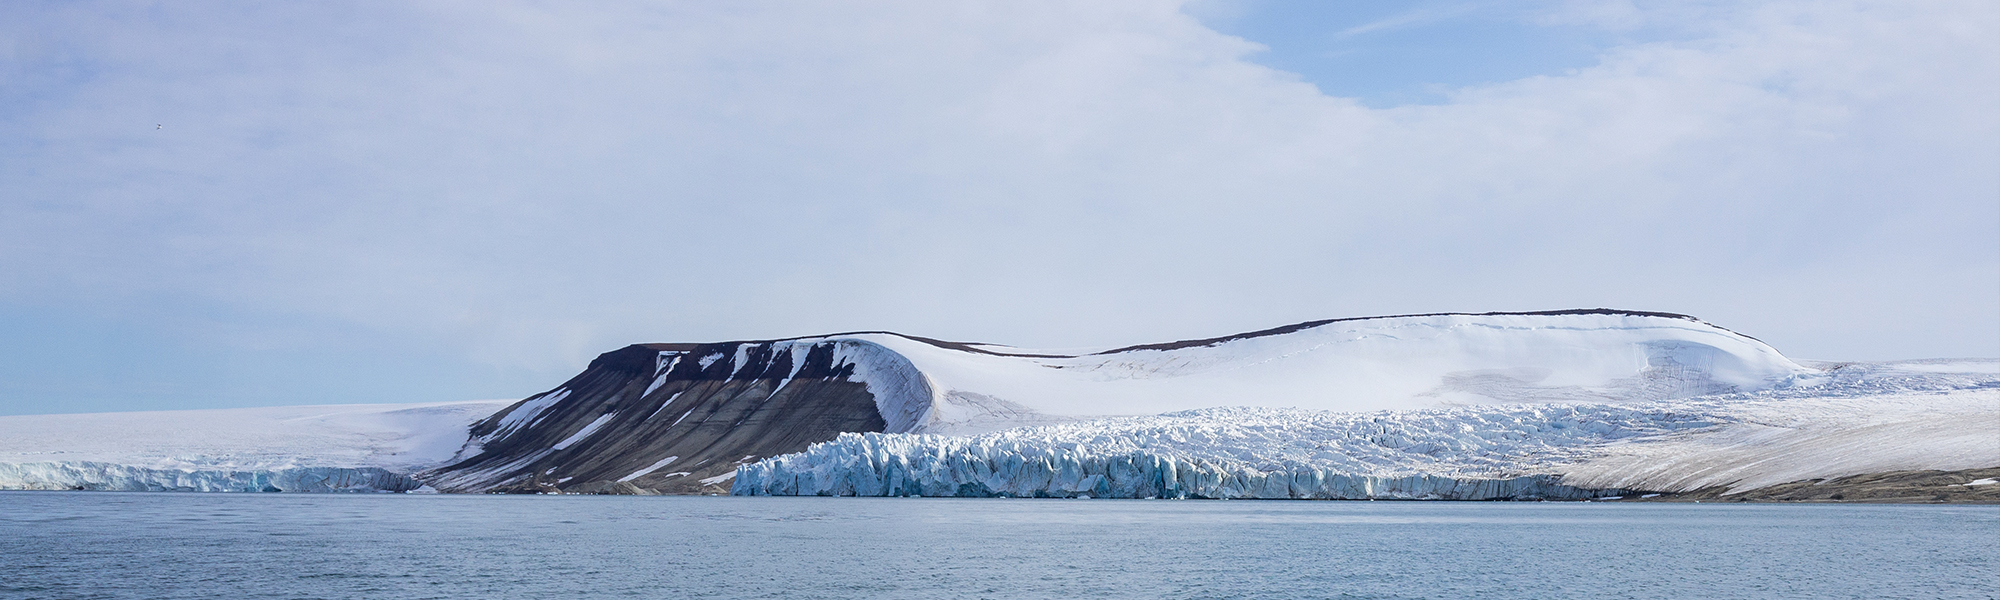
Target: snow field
[1354,365]
[290,448]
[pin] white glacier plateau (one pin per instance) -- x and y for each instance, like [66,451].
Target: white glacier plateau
[1847,419]
[1401,362]
[352,448]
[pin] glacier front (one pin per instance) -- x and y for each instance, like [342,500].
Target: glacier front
[1855,419]
[338,448]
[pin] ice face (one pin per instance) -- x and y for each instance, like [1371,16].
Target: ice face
[96,476]
[1465,454]
[291,448]
[860,466]
[1861,418]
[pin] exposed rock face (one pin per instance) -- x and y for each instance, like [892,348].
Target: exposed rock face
[667,418]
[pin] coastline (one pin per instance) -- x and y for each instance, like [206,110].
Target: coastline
[1892,487]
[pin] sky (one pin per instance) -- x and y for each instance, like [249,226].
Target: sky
[213,204]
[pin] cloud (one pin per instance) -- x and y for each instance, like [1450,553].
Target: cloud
[527,186]
[1411,18]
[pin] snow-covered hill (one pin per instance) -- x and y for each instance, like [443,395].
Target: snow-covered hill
[1376,363]
[666,417]
[1559,404]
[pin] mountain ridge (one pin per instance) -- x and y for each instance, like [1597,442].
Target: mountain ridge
[1578,403]
[746,400]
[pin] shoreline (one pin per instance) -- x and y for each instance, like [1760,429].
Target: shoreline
[1891,487]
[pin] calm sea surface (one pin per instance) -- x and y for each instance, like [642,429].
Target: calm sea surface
[133,545]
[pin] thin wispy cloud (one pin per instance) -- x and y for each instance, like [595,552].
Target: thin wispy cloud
[1415,18]
[521,186]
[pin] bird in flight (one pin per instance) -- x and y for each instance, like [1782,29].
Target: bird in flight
[159,126]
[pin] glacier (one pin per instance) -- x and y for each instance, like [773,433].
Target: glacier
[336,448]
[1552,405]
[1855,418]
[108,477]
[1470,453]
[732,402]
[1852,419]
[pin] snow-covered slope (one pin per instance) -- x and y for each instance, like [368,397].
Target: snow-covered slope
[287,448]
[1347,364]
[1854,419]
[1857,418]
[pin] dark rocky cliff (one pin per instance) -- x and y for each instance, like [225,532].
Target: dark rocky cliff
[661,418]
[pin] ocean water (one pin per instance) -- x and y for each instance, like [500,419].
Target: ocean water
[138,545]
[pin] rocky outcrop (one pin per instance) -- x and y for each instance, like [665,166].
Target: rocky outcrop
[667,418]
